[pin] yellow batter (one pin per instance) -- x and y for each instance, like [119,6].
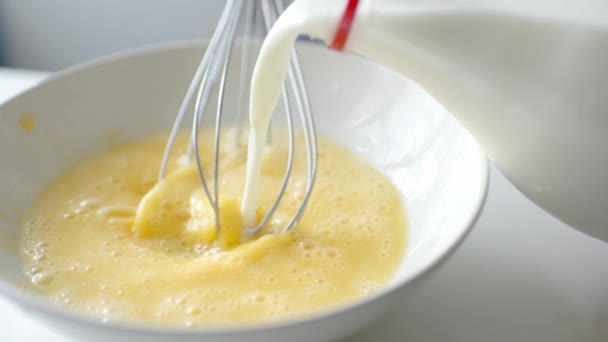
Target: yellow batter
[88,244]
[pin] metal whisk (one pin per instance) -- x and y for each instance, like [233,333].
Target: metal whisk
[214,67]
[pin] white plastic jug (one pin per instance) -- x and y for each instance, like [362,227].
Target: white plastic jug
[527,78]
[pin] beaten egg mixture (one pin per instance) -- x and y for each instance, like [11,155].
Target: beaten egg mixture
[107,240]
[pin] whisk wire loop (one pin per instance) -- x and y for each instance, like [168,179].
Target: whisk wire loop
[215,65]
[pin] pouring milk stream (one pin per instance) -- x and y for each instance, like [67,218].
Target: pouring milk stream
[527,78]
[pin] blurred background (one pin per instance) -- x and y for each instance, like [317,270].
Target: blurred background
[53,34]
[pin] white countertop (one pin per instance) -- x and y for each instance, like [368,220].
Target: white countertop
[520,276]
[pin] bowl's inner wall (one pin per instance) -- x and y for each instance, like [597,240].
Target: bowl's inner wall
[381,115]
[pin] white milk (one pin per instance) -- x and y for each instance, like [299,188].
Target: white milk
[527,78]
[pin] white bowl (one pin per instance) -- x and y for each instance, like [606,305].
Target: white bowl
[436,164]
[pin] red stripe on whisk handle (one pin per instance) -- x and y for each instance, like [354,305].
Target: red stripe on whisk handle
[345,24]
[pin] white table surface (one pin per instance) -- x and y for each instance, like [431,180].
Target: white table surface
[520,276]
